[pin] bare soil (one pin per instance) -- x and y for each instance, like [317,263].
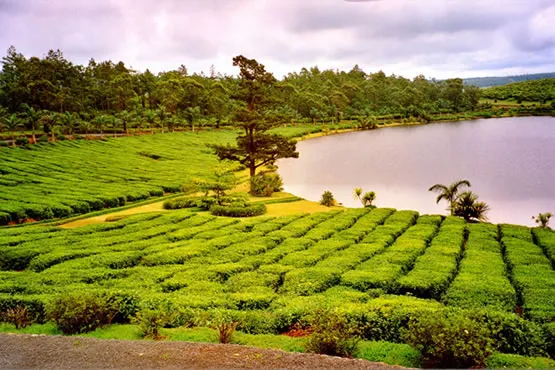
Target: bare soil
[19,351]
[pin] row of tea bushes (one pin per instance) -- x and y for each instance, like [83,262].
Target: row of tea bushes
[54,180]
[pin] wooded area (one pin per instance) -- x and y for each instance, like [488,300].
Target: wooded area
[58,97]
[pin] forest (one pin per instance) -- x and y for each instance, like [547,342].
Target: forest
[58,97]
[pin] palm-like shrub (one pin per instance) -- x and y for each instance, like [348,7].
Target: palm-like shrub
[468,207]
[449,193]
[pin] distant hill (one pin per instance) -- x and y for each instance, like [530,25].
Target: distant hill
[532,91]
[504,80]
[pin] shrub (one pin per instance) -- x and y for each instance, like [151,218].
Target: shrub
[19,316]
[4,218]
[449,339]
[150,321]
[34,307]
[225,323]
[332,334]
[327,199]
[502,360]
[21,141]
[81,313]
[265,184]
[43,139]
[180,203]
[232,211]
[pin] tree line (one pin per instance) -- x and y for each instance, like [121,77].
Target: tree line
[53,94]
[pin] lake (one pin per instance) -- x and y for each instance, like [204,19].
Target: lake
[510,163]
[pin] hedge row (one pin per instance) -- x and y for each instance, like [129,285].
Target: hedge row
[482,279]
[532,274]
[435,269]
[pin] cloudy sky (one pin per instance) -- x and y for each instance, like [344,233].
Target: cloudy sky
[436,38]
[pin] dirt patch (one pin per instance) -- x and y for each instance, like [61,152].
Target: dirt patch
[152,207]
[57,352]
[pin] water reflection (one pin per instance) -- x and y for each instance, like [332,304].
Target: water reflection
[510,162]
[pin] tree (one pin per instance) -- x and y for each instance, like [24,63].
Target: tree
[542,219]
[256,147]
[32,117]
[449,193]
[468,207]
[223,180]
[366,199]
[12,121]
[327,199]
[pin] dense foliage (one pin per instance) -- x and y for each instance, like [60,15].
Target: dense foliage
[53,95]
[54,180]
[542,91]
[378,268]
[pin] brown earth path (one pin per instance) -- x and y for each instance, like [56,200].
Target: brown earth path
[23,351]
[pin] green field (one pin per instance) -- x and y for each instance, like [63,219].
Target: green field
[53,180]
[379,267]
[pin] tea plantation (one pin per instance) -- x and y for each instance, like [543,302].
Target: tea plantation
[54,180]
[381,268]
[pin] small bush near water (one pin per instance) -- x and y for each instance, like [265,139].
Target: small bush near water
[265,184]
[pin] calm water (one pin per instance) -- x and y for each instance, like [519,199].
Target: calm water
[510,163]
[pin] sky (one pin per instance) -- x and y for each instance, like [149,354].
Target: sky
[435,38]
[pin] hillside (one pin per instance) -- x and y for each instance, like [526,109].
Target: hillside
[542,91]
[504,80]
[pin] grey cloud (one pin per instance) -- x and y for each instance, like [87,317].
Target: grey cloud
[447,35]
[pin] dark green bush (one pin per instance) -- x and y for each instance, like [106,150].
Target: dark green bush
[21,141]
[81,313]
[207,202]
[180,203]
[156,192]
[448,339]
[327,199]
[4,218]
[42,139]
[16,259]
[172,188]
[38,212]
[61,211]
[35,307]
[332,334]
[265,184]
[80,207]
[231,211]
